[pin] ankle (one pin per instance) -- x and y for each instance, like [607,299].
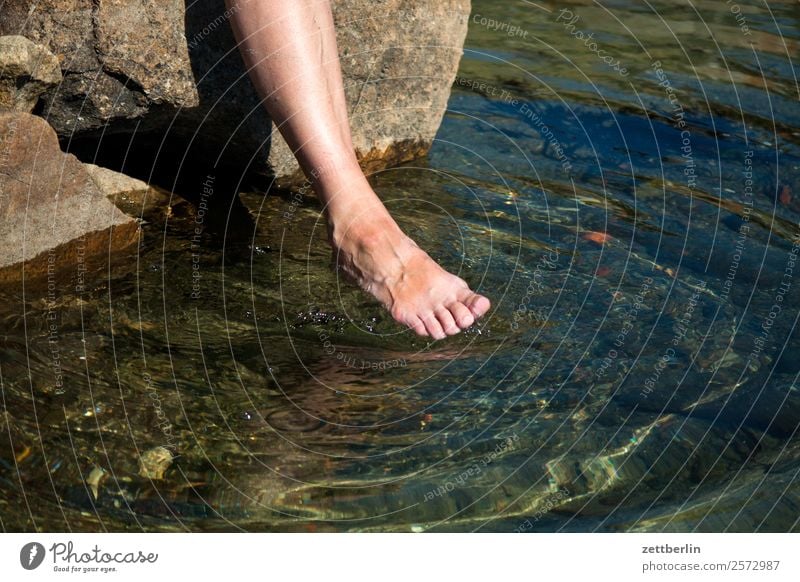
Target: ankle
[366,229]
[354,204]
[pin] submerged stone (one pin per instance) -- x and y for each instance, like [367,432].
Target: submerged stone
[154,462]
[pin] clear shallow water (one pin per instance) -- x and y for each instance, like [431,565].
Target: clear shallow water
[634,373]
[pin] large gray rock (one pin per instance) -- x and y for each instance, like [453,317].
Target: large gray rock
[55,220]
[26,71]
[169,72]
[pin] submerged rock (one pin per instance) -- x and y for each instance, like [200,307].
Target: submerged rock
[139,74]
[139,199]
[134,197]
[95,478]
[153,463]
[54,217]
[26,71]
[114,184]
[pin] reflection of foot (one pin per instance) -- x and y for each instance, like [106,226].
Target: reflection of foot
[372,250]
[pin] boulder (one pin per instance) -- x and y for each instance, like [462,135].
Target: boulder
[121,59]
[26,71]
[163,77]
[137,198]
[55,219]
[399,60]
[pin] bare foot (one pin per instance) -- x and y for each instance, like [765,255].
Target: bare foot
[373,251]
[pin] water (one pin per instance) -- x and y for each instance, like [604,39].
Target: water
[634,221]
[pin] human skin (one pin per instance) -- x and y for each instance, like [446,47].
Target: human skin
[289,49]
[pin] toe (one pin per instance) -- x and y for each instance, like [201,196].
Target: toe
[402,314]
[462,315]
[433,326]
[478,305]
[418,327]
[447,321]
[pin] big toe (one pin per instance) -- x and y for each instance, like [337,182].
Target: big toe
[478,305]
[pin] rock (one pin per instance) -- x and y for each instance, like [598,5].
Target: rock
[139,199]
[141,42]
[121,59]
[96,477]
[770,405]
[399,60]
[114,184]
[54,217]
[131,195]
[166,73]
[154,462]
[26,71]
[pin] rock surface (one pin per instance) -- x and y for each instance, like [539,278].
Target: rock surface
[55,219]
[169,72]
[121,59]
[135,197]
[26,71]
[114,184]
[154,462]
[399,60]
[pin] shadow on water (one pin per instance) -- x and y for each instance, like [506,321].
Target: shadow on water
[637,235]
